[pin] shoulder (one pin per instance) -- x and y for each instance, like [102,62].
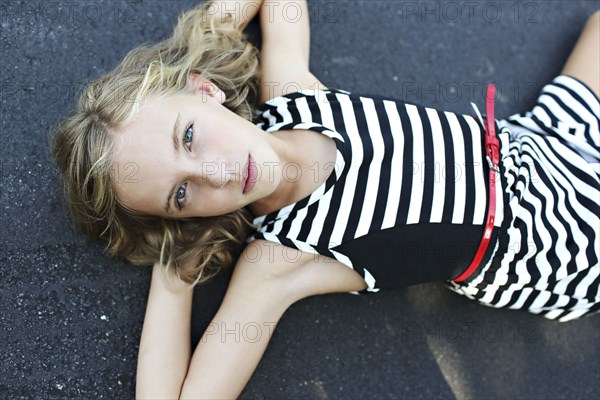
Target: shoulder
[296,274]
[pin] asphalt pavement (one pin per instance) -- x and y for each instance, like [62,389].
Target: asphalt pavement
[71,318]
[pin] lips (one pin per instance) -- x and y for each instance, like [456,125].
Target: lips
[251,175]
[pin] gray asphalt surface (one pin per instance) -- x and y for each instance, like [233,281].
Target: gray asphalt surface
[71,318]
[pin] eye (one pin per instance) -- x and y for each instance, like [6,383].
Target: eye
[188,135]
[179,196]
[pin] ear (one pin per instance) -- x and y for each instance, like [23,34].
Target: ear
[202,86]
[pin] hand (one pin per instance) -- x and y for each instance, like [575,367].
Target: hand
[240,12]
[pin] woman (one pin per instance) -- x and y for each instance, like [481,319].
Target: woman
[163,162]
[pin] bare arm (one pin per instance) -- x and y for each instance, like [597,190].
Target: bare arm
[584,61]
[260,291]
[285,52]
[164,352]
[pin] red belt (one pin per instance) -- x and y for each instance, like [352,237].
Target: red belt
[492,155]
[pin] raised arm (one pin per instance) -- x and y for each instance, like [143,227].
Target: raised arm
[267,279]
[264,284]
[165,349]
[231,347]
[584,61]
[285,51]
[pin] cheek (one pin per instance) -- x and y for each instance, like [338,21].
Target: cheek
[223,141]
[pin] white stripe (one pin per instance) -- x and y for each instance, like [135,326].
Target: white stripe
[563,236]
[574,161]
[480,210]
[439,162]
[578,108]
[553,314]
[303,110]
[393,200]
[563,300]
[555,109]
[583,286]
[368,278]
[540,301]
[272,119]
[504,141]
[582,212]
[325,201]
[416,195]
[326,112]
[572,315]
[561,285]
[284,111]
[296,224]
[520,267]
[582,91]
[505,298]
[316,228]
[371,191]
[528,126]
[544,269]
[343,214]
[458,214]
[523,295]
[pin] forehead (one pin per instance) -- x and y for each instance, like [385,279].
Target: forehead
[152,119]
[152,111]
[142,149]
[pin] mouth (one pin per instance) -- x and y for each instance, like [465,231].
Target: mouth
[251,174]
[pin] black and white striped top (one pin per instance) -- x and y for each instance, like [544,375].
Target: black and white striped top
[407,200]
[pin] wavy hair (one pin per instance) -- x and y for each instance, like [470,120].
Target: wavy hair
[191,249]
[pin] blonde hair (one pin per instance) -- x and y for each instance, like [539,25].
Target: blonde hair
[191,249]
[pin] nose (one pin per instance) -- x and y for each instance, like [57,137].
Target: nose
[215,174]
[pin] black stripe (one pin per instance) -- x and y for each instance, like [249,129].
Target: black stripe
[565,108]
[363,172]
[578,98]
[553,119]
[336,198]
[559,315]
[530,299]
[427,171]
[593,290]
[467,171]
[576,281]
[386,167]
[287,242]
[308,221]
[584,227]
[292,108]
[315,112]
[564,163]
[449,169]
[407,167]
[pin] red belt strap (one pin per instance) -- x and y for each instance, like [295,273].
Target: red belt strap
[492,155]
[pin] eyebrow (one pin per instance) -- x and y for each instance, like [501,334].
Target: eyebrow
[175,137]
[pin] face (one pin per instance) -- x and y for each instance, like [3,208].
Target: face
[187,155]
